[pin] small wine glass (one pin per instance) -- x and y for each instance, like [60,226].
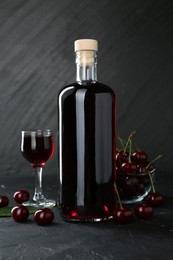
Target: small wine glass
[37,147]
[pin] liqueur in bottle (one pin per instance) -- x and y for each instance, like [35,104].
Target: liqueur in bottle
[86,133]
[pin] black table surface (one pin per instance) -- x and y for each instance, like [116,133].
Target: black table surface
[140,239]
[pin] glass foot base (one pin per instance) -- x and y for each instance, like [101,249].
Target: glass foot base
[44,203]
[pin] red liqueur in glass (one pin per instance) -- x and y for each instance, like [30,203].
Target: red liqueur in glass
[38,150]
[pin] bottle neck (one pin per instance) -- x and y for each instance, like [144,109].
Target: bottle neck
[86,66]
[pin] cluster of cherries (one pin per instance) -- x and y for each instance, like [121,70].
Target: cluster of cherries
[133,175]
[20,213]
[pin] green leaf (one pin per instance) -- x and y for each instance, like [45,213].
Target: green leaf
[6,211]
[32,209]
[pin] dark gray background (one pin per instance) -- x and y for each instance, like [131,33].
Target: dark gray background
[37,59]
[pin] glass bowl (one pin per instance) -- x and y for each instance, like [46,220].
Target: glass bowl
[134,187]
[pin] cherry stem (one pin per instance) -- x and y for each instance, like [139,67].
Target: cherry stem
[149,174]
[151,181]
[118,196]
[130,150]
[122,141]
[129,138]
[158,157]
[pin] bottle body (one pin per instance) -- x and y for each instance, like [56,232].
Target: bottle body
[86,128]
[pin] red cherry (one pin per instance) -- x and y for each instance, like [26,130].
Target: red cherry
[21,196]
[20,213]
[143,211]
[142,167]
[4,201]
[122,215]
[154,199]
[44,216]
[122,156]
[129,167]
[145,179]
[139,157]
[134,186]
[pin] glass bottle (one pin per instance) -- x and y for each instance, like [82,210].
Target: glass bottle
[86,133]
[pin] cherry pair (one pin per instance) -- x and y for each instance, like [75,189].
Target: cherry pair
[19,196]
[44,216]
[122,215]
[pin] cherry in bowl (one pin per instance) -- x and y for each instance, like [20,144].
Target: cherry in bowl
[134,187]
[139,156]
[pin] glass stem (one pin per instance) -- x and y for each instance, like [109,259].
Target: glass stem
[38,184]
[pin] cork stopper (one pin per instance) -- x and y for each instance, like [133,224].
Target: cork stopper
[86,45]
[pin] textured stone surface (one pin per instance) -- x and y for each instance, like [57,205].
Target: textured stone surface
[36,60]
[144,239]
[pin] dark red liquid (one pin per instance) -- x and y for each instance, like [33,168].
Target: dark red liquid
[86,152]
[37,149]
